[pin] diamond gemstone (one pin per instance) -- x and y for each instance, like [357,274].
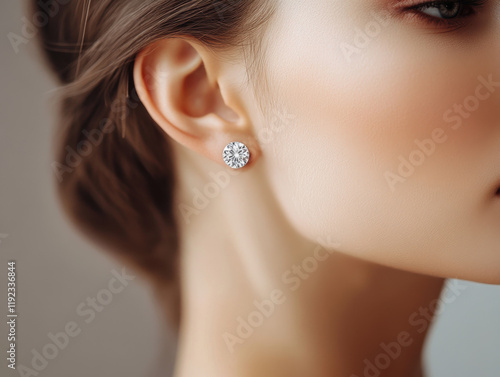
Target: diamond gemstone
[236,155]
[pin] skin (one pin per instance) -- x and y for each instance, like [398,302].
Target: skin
[325,153]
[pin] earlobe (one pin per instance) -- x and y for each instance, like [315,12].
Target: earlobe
[184,98]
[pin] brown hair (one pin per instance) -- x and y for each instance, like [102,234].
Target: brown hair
[113,164]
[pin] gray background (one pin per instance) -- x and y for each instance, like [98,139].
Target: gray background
[58,270]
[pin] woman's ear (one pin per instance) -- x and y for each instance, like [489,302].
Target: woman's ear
[179,83]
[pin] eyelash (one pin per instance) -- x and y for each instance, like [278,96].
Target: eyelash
[469,7]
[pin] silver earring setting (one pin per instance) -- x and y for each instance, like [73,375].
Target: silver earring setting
[236,155]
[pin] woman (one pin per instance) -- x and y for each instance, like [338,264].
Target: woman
[298,177]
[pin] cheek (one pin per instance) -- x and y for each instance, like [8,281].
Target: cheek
[356,121]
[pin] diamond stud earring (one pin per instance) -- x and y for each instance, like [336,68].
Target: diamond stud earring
[236,155]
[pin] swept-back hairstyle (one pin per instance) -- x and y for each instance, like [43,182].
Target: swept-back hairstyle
[113,165]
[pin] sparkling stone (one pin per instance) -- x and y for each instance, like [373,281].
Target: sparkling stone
[236,155]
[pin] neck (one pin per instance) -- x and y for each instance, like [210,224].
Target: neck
[257,297]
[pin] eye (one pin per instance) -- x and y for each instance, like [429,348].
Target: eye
[445,13]
[442,10]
